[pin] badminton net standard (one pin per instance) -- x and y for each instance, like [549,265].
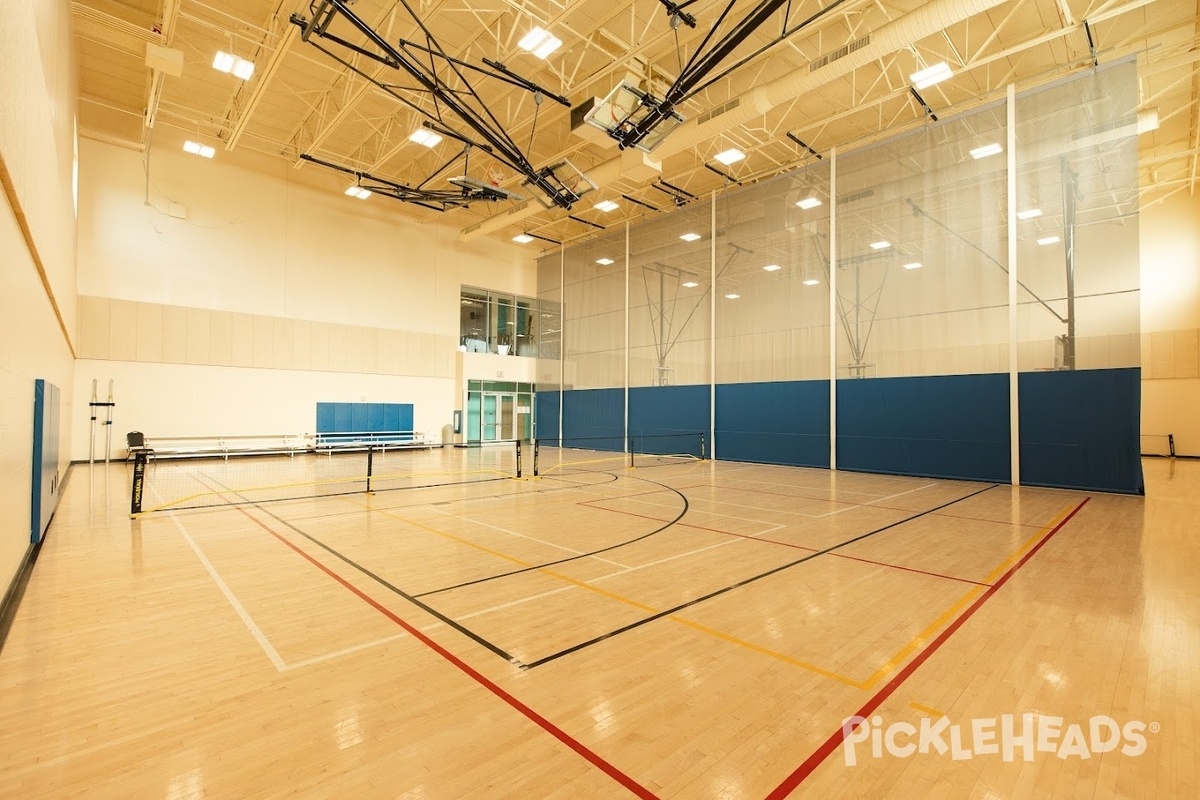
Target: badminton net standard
[205,483]
[602,453]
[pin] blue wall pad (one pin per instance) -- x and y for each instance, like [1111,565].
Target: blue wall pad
[784,422]
[944,426]
[45,458]
[364,417]
[593,419]
[1081,429]
[546,414]
[669,419]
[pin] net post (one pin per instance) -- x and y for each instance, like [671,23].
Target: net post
[518,458]
[702,447]
[631,452]
[1171,443]
[536,453]
[139,484]
[370,465]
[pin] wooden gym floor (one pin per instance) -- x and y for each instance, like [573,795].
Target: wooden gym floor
[680,630]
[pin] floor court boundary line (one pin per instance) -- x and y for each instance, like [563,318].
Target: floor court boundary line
[758,538]
[743,582]
[521,535]
[644,536]
[483,499]
[378,579]
[528,712]
[255,631]
[802,772]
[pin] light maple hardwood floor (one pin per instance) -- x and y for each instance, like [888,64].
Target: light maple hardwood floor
[680,630]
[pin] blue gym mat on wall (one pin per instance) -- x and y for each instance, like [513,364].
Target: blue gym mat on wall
[364,417]
[943,426]
[781,422]
[593,419]
[669,419]
[1082,429]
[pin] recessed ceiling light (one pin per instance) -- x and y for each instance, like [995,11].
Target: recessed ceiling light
[225,62]
[425,136]
[732,296]
[913,265]
[358,191]
[606,205]
[882,244]
[690,237]
[1048,240]
[1029,213]
[1147,120]
[986,150]
[730,156]
[811,282]
[690,284]
[772,268]
[809,202]
[523,238]
[923,79]
[605,261]
[540,42]
[197,149]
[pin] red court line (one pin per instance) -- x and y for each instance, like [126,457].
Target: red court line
[546,725]
[869,504]
[789,544]
[831,744]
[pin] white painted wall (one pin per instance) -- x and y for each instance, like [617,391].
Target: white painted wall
[1171,321]
[37,112]
[270,296]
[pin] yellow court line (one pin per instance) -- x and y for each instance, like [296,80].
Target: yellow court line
[933,712]
[642,606]
[323,481]
[924,636]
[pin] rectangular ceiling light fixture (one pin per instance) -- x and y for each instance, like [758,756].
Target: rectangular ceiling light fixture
[809,202]
[730,156]
[425,137]
[811,282]
[358,191]
[606,205]
[883,244]
[913,265]
[227,63]
[690,237]
[986,150]
[772,268]
[604,262]
[923,79]
[690,284]
[540,42]
[197,149]
[1048,240]
[1029,213]
[732,296]
[523,238]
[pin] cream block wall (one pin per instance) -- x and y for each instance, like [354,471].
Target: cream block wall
[270,293]
[199,400]
[1170,345]
[37,111]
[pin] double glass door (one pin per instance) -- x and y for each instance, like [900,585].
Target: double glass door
[496,414]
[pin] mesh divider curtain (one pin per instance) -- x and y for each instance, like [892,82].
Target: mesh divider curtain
[772,335]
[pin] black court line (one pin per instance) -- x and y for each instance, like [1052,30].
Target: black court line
[658,530]
[381,581]
[604,637]
[246,501]
[358,509]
